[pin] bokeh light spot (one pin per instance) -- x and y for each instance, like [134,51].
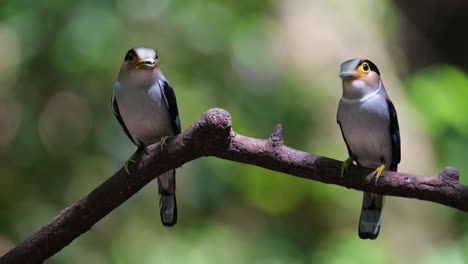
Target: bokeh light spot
[10,60]
[64,123]
[10,117]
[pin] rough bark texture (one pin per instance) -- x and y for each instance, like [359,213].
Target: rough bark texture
[212,135]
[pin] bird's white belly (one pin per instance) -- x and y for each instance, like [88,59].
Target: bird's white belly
[144,113]
[366,129]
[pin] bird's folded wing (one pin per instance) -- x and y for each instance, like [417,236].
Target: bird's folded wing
[171,103]
[115,110]
[395,136]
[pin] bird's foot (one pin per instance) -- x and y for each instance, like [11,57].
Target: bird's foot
[345,164]
[378,172]
[132,159]
[163,141]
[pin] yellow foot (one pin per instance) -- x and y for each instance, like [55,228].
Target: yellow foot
[378,172]
[130,160]
[345,164]
[163,141]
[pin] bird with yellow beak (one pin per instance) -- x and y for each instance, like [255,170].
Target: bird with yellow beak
[145,105]
[369,125]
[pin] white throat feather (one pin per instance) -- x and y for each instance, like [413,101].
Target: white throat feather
[364,98]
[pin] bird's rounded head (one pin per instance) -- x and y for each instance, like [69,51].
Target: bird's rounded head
[360,77]
[140,67]
[141,59]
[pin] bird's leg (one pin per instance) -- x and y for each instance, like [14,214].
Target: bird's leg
[163,141]
[132,159]
[378,172]
[345,164]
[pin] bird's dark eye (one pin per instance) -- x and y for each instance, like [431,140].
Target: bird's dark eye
[365,67]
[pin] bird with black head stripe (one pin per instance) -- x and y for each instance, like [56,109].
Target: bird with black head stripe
[369,125]
[145,105]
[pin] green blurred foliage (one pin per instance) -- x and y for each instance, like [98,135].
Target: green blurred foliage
[59,139]
[441,94]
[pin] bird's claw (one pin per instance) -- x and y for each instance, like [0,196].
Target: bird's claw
[163,141]
[378,172]
[345,164]
[132,159]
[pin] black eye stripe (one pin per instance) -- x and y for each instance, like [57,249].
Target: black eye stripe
[372,66]
[130,55]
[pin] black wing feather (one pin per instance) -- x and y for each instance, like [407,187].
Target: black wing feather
[344,138]
[395,136]
[171,101]
[115,110]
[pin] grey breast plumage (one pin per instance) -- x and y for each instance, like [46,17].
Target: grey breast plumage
[365,126]
[144,112]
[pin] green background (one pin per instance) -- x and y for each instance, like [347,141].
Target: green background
[266,62]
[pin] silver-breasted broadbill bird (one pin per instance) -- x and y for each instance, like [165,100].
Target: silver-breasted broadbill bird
[145,105]
[369,125]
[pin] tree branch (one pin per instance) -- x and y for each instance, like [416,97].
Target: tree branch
[212,135]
